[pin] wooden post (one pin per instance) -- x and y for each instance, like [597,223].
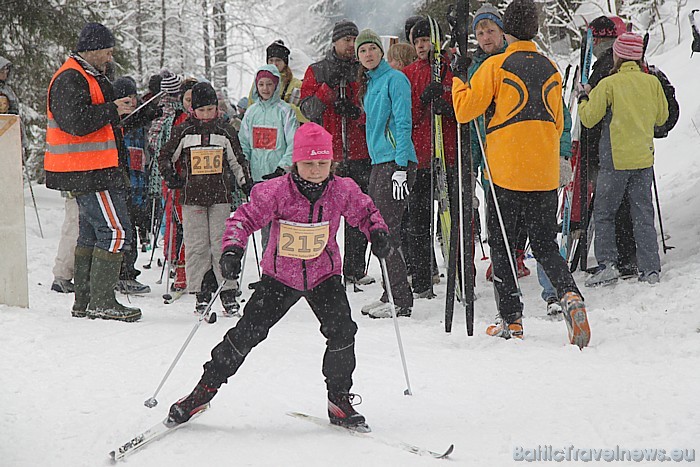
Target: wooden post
[14,288]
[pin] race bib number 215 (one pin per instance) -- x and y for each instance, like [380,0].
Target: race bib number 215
[302,241]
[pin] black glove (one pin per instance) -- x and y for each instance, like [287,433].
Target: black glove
[230,263]
[279,171]
[380,243]
[442,107]
[345,108]
[247,186]
[432,93]
[460,66]
[174,181]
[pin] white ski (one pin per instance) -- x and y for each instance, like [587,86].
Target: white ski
[389,442]
[155,432]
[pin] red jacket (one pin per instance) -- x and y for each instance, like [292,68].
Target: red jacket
[420,75]
[317,98]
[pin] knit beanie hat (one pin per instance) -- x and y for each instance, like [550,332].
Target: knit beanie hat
[266,74]
[420,29]
[367,36]
[154,83]
[278,50]
[188,84]
[124,86]
[521,20]
[312,143]
[344,28]
[410,22]
[603,26]
[242,103]
[487,11]
[629,46]
[170,82]
[94,36]
[203,94]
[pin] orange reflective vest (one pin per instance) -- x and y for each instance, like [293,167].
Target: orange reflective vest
[70,153]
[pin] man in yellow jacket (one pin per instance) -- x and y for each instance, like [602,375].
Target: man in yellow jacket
[520,93]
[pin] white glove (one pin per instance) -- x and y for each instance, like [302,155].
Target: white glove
[399,185]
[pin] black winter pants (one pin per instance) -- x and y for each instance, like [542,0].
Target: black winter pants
[354,261]
[268,304]
[538,211]
[419,241]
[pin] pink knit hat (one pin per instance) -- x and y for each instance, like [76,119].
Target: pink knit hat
[629,46]
[312,143]
[266,74]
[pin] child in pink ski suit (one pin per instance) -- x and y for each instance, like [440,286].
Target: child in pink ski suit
[302,259]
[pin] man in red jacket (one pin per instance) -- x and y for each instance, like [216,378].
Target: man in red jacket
[424,93]
[325,84]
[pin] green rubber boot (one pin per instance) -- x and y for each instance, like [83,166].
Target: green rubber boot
[81,279]
[104,275]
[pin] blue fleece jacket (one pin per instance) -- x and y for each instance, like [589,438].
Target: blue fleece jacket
[387,104]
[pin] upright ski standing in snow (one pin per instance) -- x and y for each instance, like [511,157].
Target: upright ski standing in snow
[458,18]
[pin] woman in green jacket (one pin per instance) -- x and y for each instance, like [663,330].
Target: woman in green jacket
[630,103]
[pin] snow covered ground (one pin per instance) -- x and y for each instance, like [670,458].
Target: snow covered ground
[71,390]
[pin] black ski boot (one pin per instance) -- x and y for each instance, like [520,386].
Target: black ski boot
[231,305]
[182,410]
[342,413]
[202,301]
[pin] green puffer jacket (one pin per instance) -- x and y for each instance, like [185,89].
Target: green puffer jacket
[267,132]
[630,103]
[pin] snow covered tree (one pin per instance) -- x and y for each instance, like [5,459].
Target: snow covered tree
[330,12]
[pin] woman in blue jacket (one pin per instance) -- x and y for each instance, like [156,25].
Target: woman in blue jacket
[386,97]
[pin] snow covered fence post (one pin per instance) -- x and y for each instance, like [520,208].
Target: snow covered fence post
[14,288]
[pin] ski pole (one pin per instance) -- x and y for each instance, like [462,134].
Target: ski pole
[206,316]
[171,247]
[385,273]
[31,190]
[257,258]
[498,213]
[155,232]
[658,210]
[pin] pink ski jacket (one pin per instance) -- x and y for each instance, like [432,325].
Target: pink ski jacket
[279,201]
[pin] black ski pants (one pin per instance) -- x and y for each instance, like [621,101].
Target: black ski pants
[538,211]
[268,304]
[354,262]
[419,241]
[392,210]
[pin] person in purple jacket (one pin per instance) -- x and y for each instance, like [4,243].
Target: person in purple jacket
[302,259]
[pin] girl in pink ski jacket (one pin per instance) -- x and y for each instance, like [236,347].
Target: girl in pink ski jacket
[280,201]
[301,260]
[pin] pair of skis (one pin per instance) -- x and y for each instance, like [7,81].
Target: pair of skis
[457,234]
[166,427]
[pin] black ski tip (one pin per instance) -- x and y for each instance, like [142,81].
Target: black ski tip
[212,318]
[448,452]
[167,296]
[113,457]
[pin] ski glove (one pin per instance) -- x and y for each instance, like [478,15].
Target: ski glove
[380,243]
[345,108]
[460,66]
[442,107]
[432,93]
[246,187]
[230,263]
[174,182]
[399,185]
[279,171]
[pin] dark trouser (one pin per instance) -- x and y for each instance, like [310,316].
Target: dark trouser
[355,241]
[268,304]
[104,222]
[420,239]
[128,270]
[624,236]
[380,189]
[538,211]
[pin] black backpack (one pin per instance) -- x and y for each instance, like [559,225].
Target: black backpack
[673,107]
